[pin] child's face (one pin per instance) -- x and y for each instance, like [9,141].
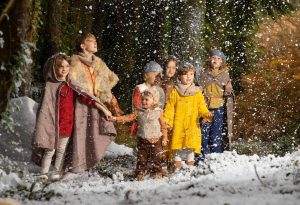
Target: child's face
[216,61]
[62,70]
[150,77]
[147,102]
[89,45]
[188,78]
[170,69]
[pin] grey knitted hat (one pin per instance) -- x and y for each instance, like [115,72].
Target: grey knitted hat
[152,66]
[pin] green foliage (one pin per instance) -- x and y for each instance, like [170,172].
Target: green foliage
[231,26]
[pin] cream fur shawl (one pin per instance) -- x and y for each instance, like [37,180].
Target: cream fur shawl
[105,79]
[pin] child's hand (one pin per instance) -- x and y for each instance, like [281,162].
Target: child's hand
[165,141]
[112,118]
[107,113]
[210,114]
[169,127]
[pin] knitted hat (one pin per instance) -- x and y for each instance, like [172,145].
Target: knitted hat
[185,64]
[219,54]
[152,66]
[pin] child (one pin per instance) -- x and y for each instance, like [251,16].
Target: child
[168,82]
[169,74]
[93,136]
[151,74]
[183,109]
[151,128]
[55,117]
[216,84]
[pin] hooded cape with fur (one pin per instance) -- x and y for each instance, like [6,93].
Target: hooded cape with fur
[46,129]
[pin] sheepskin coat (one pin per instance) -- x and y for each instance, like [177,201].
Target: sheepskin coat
[92,131]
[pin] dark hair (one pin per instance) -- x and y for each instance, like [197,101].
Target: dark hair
[167,59]
[81,40]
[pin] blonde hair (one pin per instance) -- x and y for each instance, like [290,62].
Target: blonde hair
[81,40]
[154,94]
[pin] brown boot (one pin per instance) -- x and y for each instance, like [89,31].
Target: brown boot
[190,163]
[177,164]
[157,175]
[165,172]
[140,177]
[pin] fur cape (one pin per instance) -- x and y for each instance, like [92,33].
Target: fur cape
[105,79]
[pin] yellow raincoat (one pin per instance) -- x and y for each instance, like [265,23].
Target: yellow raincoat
[182,113]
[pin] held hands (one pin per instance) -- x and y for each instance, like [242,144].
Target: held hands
[112,118]
[165,141]
[208,117]
[106,112]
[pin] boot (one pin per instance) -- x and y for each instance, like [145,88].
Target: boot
[165,172]
[190,163]
[157,175]
[177,164]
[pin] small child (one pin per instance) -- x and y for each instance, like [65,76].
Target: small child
[169,74]
[152,71]
[55,117]
[183,109]
[170,64]
[151,132]
[218,92]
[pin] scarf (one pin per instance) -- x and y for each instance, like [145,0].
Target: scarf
[87,61]
[189,91]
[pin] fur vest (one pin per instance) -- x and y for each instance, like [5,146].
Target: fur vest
[148,123]
[104,80]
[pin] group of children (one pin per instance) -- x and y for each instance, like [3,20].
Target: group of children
[167,109]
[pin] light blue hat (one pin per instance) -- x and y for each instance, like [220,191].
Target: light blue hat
[185,64]
[220,54]
[152,66]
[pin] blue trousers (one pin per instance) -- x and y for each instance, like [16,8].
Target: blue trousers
[212,133]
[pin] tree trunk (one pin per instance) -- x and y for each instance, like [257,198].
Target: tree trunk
[14,30]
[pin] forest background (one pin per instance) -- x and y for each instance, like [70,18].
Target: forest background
[261,39]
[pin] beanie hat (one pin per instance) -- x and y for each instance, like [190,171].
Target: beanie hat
[219,54]
[185,64]
[152,66]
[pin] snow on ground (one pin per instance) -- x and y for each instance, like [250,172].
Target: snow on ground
[226,178]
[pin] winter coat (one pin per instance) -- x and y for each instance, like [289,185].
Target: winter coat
[104,79]
[92,131]
[46,131]
[182,112]
[222,79]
